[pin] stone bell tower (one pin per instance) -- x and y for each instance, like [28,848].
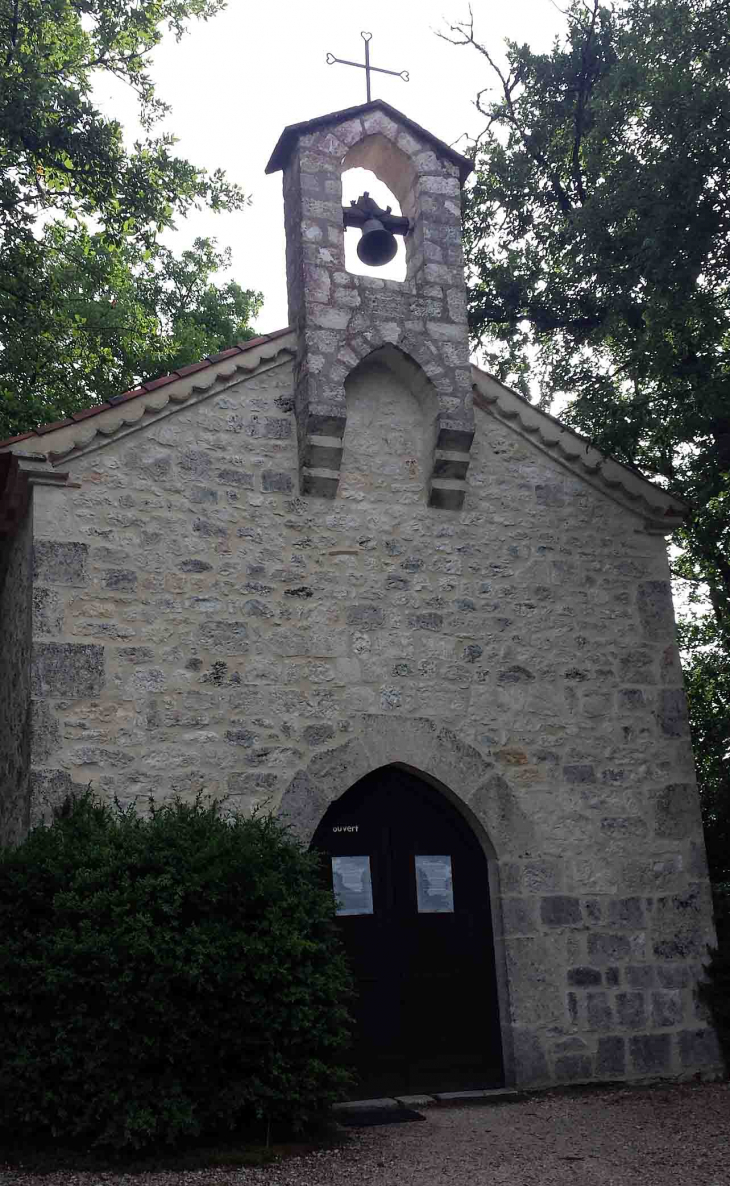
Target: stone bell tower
[340,318]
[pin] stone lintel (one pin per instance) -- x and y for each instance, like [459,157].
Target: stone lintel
[449,463]
[455,435]
[322,483]
[326,419]
[447,493]
[322,452]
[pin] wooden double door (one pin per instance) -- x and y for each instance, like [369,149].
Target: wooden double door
[412,887]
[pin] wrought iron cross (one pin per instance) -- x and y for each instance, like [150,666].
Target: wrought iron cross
[367,38]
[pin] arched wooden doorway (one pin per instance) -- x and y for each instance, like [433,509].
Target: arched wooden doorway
[412,884]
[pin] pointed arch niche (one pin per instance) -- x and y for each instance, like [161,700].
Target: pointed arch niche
[390,430]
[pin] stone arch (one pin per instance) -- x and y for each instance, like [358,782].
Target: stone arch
[390,430]
[460,772]
[433,752]
[390,164]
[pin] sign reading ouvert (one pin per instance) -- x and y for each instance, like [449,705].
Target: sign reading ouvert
[340,318]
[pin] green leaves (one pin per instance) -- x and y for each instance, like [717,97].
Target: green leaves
[165,977]
[78,318]
[83,319]
[598,247]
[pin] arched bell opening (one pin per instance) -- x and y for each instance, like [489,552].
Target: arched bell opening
[412,879]
[377,166]
[355,183]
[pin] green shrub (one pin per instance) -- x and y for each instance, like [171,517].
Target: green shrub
[715,989]
[165,978]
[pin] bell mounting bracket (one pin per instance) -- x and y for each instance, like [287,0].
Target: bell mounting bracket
[365,208]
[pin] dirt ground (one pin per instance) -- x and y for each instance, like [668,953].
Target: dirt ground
[610,1137]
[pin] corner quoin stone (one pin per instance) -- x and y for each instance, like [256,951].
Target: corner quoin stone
[72,669]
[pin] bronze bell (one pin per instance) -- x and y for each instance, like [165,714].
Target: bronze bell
[377,245]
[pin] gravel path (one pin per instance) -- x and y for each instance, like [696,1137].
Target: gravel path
[657,1137]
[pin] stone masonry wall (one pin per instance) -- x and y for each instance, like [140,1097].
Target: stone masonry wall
[200,626]
[15,641]
[340,318]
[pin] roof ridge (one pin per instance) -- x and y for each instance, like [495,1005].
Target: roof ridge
[148,385]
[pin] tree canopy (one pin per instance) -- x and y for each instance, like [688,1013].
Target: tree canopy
[598,243]
[90,299]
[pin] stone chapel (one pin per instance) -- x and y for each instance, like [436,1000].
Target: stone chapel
[339,571]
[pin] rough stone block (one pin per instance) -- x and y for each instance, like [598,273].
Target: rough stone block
[676,811]
[604,948]
[574,1067]
[121,580]
[271,481]
[600,1014]
[611,1056]
[47,611]
[631,1010]
[651,1054]
[584,977]
[531,1065]
[667,1008]
[560,911]
[699,1048]
[60,563]
[45,732]
[235,477]
[317,734]
[640,975]
[673,976]
[678,927]
[518,916]
[70,669]
[656,612]
[672,712]
[579,774]
[368,617]
[626,912]
[224,638]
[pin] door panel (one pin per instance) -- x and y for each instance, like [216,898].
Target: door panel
[426,1009]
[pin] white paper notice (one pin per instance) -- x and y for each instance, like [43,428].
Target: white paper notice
[434,885]
[352,885]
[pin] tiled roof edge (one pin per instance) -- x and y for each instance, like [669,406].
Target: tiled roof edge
[150,385]
[491,395]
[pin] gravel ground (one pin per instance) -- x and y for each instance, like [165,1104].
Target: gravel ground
[655,1136]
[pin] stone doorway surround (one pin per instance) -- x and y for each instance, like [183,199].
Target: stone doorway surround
[439,757]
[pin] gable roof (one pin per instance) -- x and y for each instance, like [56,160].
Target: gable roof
[662,511]
[288,138]
[131,405]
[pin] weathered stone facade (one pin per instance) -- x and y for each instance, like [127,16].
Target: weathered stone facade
[201,625]
[15,642]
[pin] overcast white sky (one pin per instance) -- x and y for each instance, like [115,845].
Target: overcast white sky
[237,81]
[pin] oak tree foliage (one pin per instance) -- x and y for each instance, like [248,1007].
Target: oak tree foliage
[90,301]
[598,248]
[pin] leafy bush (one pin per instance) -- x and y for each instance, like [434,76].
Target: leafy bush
[715,989]
[165,978]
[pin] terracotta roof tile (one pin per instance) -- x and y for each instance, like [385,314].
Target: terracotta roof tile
[152,385]
[163,380]
[224,354]
[76,416]
[191,368]
[44,428]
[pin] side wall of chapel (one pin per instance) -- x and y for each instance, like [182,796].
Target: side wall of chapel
[15,644]
[199,626]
